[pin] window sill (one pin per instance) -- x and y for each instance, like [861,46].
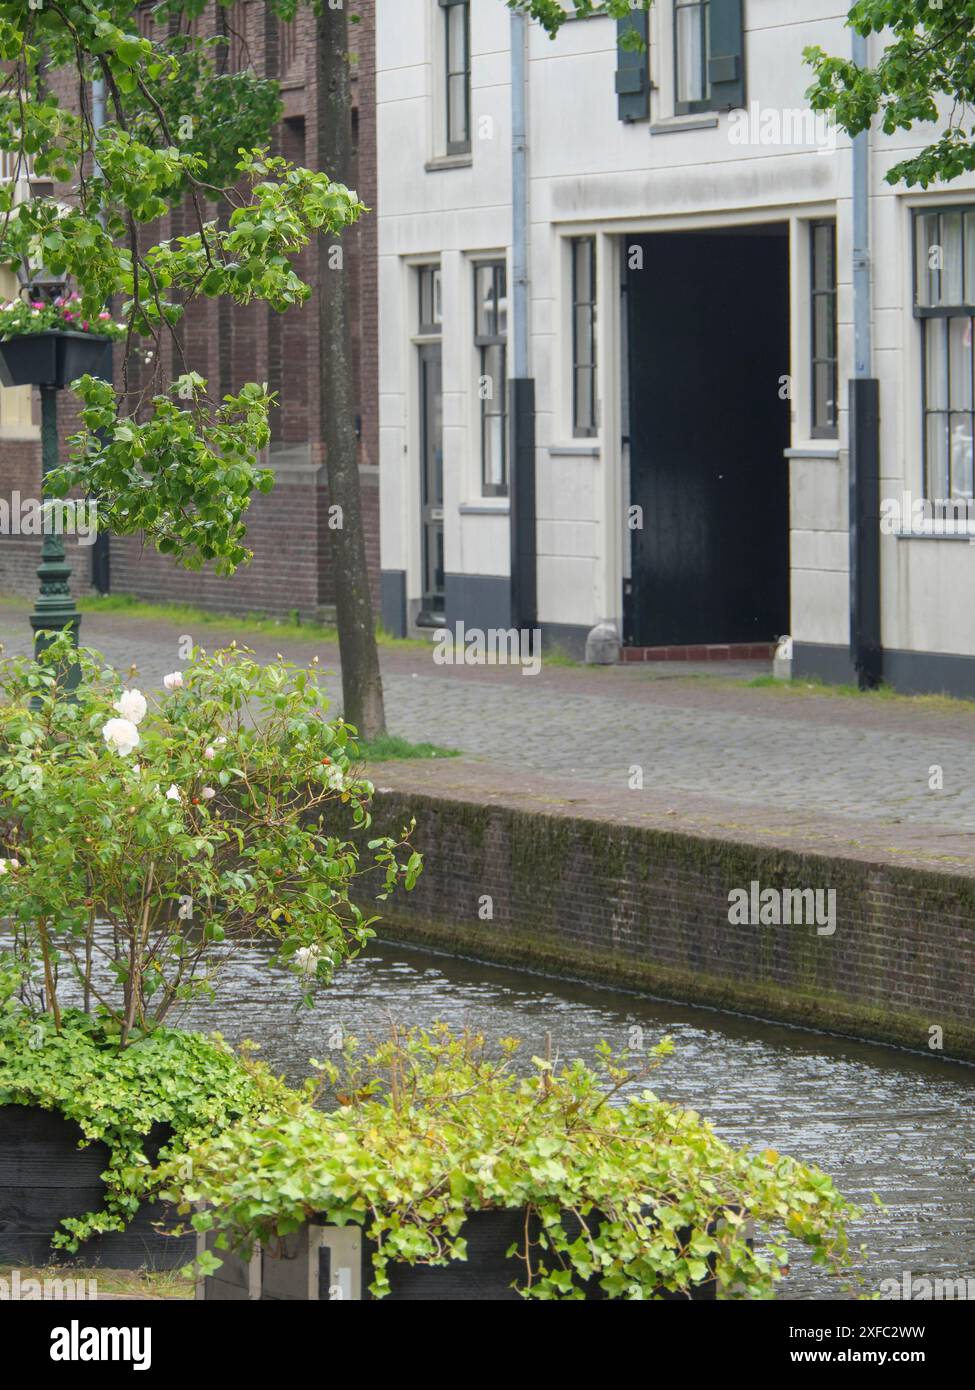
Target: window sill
[815,449]
[671,125]
[485,507]
[927,532]
[449,161]
[577,450]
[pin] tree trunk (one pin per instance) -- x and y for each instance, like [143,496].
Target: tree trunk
[362,689]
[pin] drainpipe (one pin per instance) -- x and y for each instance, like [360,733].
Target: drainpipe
[866,651]
[521,387]
[100,570]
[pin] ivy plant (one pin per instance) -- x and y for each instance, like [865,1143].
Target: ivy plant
[194,1086]
[632,1193]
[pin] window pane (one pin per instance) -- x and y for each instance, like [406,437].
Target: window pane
[583,336]
[937,364]
[969,257]
[493,451]
[457,38]
[689,36]
[960,348]
[584,396]
[457,110]
[927,252]
[484,291]
[937,456]
[951,281]
[961,455]
[823,325]
[501,301]
[824,417]
[494,368]
[823,273]
[583,290]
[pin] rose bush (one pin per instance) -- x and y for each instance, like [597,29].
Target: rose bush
[146,837]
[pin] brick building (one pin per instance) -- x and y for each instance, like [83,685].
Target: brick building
[229,344]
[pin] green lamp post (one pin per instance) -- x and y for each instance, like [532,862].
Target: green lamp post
[51,360]
[55,610]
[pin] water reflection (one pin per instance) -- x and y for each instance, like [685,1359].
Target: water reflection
[879,1120]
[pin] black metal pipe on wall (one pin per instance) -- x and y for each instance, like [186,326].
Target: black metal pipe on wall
[524,594]
[866,649]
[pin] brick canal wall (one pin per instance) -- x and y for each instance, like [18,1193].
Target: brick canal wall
[648,909]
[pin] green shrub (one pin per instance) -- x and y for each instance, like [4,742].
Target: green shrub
[430,1127]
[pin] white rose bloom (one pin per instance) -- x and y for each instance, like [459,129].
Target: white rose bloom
[174,681]
[122,735]
[307,958]
[210,753]
[173,793]
[208,793]
[131,705]
[6,864]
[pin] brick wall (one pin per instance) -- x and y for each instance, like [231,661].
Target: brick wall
[648,909]
[230,344]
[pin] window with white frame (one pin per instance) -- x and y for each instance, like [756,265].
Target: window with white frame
[490,340]
[584,408]
[457,75]
[944,301]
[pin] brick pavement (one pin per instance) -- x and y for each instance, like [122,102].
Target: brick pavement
[717,757]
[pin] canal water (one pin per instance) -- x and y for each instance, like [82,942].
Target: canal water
[877,1119]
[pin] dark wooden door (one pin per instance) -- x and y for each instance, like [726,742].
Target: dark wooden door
[708,345]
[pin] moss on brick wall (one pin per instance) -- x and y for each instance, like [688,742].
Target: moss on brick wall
[648,909]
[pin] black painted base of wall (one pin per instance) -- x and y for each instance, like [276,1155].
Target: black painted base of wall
[45,1177]
[566,638]
[910,673]
[478,600]
[393,597]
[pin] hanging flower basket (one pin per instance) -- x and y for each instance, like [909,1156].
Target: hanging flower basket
[55,358]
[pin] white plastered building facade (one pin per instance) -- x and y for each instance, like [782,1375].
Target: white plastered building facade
[690,339]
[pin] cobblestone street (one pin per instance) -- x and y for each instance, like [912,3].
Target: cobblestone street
[713,752]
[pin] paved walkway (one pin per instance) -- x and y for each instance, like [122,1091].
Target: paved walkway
[715,755]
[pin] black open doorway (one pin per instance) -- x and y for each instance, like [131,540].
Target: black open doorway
[708,358]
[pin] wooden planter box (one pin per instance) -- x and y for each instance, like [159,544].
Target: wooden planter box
[45,1177]
[54,359]
[333,1263]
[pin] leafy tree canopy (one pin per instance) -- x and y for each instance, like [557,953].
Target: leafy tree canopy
[552,14]
[179,129]
[925,74]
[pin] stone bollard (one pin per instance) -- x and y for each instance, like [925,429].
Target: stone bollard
[603,645]
[782,661]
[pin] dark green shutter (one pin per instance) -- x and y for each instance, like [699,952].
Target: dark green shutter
[633,69]
[726,68]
